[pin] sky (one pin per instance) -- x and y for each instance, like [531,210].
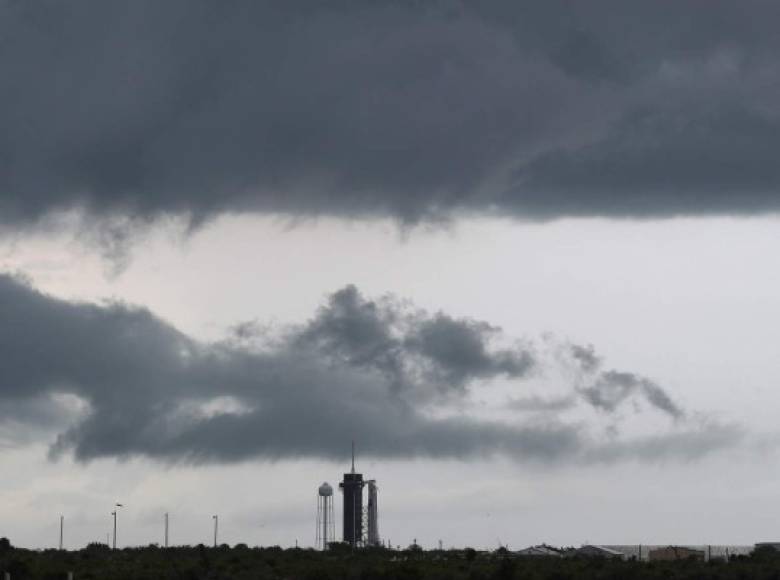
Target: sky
[521,252]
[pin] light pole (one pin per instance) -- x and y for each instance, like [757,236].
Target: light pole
[216,527]
[166,529]
[62,525]
[113,513]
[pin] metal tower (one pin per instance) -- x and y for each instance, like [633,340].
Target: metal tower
[326,529]
[352,488]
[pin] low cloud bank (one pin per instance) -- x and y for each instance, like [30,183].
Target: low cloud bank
[114,380]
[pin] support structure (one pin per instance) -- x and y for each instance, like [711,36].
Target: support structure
[117,505]
[326,528]
[352,488]
[113,513]
[373,515]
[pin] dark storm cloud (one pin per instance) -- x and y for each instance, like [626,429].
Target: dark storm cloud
[537,109]
[458,351]
[145,389]
[410,347]
[358,333]
[607,390]
[611,388]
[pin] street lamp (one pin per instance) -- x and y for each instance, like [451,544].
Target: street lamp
[216,527]
[113,513]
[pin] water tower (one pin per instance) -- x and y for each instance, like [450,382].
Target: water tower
[326,529]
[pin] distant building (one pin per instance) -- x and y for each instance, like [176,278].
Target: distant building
[670,553]
[768,545]
[598,552]
[542,551]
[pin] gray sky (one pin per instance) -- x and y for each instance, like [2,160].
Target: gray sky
[523,253]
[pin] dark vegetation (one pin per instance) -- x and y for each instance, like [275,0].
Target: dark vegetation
[242,562]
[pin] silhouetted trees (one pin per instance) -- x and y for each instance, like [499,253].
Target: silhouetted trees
[98,562]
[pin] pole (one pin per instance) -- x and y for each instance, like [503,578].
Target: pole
[216,526]
[113,513]
[62,525]
[325,522]
[166,529]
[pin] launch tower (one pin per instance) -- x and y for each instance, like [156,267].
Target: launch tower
[352,487]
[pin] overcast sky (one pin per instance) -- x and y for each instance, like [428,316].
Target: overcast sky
[522,252]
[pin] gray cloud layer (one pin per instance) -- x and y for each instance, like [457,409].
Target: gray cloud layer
[411,349]
[606,390]
[373,370]
[536,109]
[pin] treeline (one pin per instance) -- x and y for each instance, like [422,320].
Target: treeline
[240,562]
